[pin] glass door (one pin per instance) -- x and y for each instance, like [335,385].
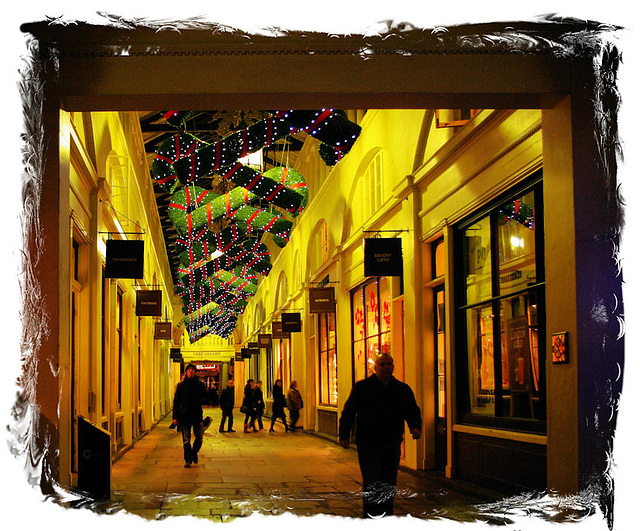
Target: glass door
[441,403]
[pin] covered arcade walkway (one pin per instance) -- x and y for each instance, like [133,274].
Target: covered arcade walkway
[266,473]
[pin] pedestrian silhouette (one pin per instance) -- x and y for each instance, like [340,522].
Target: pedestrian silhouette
[379,405]
[294,404]
[279,402]
[189,397]
[227,401]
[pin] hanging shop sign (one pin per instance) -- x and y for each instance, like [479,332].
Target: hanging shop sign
[322,300]
[264,340]
[163,330]
[382,257]
[238,356]
[254,349]
[277,332]
[125,259]
[245,353]
[291,322]
[149,302]
[175,355]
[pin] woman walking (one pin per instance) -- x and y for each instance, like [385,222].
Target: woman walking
[249,407]
[279,402]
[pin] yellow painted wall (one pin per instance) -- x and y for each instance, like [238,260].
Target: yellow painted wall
[432,179]
[103,161]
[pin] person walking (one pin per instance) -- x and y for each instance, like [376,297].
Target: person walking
[279,402]
[294,404]
[189,397]
[379,405]
[227,401]
[259,402]
[249,406]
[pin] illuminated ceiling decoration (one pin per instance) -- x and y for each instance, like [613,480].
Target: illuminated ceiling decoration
[219,241]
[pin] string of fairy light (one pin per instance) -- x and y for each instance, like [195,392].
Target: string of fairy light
[219,244]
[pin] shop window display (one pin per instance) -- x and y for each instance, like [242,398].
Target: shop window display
[502,287]
[371,318]
[328,359]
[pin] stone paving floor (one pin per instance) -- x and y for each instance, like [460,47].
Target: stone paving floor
[263,473]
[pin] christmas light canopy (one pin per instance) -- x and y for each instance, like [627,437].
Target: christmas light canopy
[220,233]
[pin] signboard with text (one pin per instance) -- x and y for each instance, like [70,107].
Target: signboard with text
[291,322]
[382,257]
[264,340]
[277,332]
[149,302]
[163,330]
[125,259]
[322,300]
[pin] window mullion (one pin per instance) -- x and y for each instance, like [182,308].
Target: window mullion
[497,319]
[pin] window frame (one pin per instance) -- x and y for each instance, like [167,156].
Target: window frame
[328,351]
[361,289]
[500,418]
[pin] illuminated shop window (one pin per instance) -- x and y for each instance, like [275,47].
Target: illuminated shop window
[328,359]
[371,322]
[500,317]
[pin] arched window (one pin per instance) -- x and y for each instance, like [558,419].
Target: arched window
[297,270]
[282,291]
[369,193]
[319,246]
[119,172]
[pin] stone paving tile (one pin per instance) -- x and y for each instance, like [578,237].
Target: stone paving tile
[263,473]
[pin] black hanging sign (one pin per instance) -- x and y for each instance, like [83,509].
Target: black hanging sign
[291,322]
[382,257]
[277,332]
[125,259]
[245,353]
[175,355]
[163,330]
[149,302]
[264,340]
[254,349]
[322,300]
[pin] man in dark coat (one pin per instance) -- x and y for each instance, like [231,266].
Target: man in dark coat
[379,405]
[190,395]
[227,401]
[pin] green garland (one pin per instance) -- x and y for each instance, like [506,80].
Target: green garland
[519,212]
[280,186]
[250,252]
[233,205]
[239,279]
[330,127]
[211,241]
[170,151]
[188,218]
[228,298]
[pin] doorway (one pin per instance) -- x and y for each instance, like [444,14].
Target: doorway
[440,356]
